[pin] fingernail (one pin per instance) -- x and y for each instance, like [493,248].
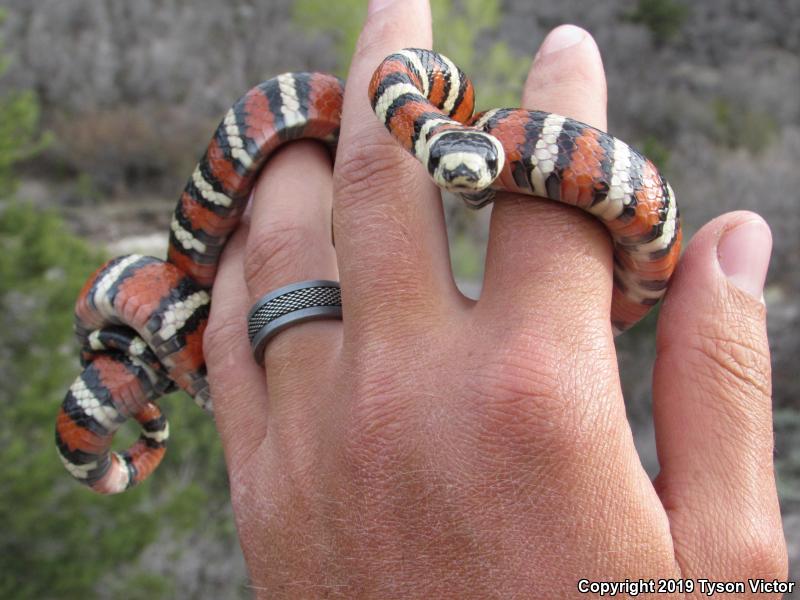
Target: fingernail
[376,5]
[743,254]
[561,37]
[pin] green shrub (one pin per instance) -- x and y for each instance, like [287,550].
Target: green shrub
[58,538]
[458,26]
[654,149]
[664,18]
[740,127]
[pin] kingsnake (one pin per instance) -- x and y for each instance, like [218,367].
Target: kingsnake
[140,320]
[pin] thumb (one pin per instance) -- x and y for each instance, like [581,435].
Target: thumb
[712,406]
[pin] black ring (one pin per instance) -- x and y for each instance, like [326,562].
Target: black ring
[289,305]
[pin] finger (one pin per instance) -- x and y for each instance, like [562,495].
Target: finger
[549,263]
[237,383]
[388,220]
[567,77]
[290,241]
[712,406]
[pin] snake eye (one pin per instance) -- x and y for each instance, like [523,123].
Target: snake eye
[433,162]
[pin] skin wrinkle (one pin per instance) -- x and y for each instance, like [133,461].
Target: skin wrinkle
[745,366]
[219,341]
[540,477]
[722,493]
[381,357]
[598,406]
[523,428]
[255,516]
[380,415]
[378,426]
[594,397]
[389,166]
[372,219]
[279,247]
[278,364]
[760,555]
[512,372]
[463,461]
[299,539]
[419,406]
[241,454]
[478,532]
[727,330]
[706,375]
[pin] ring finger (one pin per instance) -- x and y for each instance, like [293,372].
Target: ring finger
[290,241]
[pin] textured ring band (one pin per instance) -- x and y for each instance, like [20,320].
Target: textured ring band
[289,305]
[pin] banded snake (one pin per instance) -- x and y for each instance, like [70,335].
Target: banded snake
[140,320]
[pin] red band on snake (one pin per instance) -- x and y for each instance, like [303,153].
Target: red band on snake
[141,320]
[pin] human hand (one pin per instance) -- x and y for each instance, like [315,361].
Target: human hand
[429,445]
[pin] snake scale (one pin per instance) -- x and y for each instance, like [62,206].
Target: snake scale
[140,320]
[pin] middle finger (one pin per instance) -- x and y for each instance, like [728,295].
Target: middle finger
[388,222]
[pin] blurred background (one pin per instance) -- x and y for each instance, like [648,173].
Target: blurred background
[105,105]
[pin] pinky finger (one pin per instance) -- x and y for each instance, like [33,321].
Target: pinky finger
[238,387]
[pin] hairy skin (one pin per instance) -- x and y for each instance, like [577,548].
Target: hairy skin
[433,446]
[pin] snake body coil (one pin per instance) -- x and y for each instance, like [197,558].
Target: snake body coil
[425,101]
[140,320]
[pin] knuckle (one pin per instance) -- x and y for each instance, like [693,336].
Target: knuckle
[365,171]
[532,399]
[276,248]
[521,404]
[763,554]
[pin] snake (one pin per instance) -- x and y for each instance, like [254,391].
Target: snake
[140,320]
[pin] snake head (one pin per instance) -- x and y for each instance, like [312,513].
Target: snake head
[464,160]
